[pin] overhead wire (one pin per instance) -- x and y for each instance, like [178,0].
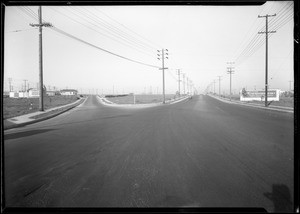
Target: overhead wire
[249,30]
[119,31]
[91,45]
[98,25]
[99,48]
[262,41]
[105,35]
[153,45]
[279,67]
[255,38]
[257,41]
[21,30]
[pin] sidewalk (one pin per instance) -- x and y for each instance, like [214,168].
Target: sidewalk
[255,105]
[38,116]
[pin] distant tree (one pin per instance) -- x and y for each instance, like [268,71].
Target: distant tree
[244,93]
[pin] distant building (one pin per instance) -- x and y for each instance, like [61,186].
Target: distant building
[13,94]
[33,92]
[51,93]
[68,92]
[6,94]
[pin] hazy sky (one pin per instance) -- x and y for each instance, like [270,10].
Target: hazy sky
[200,41]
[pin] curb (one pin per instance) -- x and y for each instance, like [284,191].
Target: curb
[169,102]
[106,102]
[44,118]
[178,100]
[255,105]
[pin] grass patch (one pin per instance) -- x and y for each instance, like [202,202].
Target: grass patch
[283,101]
[140,99]
[13,107]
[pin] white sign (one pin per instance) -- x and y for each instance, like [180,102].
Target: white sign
[259,95]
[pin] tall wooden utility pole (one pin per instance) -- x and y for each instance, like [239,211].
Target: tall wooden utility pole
[266,80]
[230,71]
[219,85]
[9,80]
[183,82]
[214,82]
[41,85]
[178,81]
[290,85]
[162,57]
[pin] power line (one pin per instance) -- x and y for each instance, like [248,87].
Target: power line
[130,37]
[116,39]
[108,29]
[256,46]
[256,42]
[99,48]
[156,46]
[21,30]
[249,30]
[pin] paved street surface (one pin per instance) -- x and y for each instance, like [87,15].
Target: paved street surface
[200,153]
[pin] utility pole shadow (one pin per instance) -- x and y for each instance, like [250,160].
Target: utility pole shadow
[281,198]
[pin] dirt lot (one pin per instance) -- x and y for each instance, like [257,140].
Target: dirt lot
[139,99]
[13,107]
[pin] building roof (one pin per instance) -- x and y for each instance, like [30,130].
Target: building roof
[68,90]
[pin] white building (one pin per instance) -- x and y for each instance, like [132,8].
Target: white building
[68,92]
[259,95]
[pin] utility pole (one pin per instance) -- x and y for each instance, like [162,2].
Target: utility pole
[178,81]
[183,82]
[41,25]
[266,80]
[9,81]
[230,71]
[187,85]
[25,85]
[214,82]
[219,85]
[162,57]
[290,85]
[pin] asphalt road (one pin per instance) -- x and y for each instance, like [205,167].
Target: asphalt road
[197,153]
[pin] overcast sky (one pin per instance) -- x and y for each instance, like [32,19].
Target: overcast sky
[200,41]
